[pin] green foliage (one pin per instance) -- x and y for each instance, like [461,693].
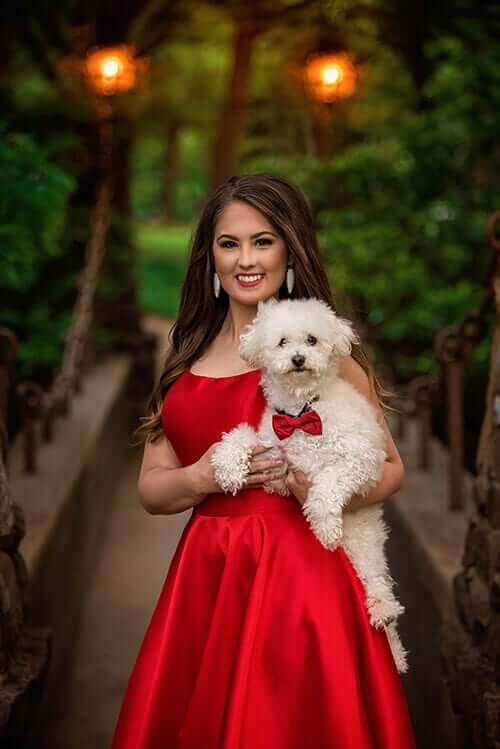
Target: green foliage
[404,242]
[162,267]
[163,242]
[402,212]
[33,198]
[150,179]
[31,211]
[147,183]
[191,188]
[187,95]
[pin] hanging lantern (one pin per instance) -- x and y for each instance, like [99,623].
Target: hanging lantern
[331,76]
[112,70]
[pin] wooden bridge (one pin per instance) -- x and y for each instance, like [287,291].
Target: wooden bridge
[82,564]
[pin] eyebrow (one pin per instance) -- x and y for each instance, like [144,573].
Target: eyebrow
[253,236]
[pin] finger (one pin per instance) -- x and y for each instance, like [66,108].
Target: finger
[259,449]
[301,477]
[265,465]
[259,478]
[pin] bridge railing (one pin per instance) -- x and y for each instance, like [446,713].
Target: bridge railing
[453,346]
[41,408]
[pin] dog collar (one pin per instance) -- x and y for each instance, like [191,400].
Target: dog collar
[305,407]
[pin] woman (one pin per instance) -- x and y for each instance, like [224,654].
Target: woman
[260,638]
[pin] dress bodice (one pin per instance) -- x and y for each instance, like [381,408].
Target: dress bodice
[197,409]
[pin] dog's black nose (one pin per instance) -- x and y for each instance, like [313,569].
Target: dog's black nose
[298,360]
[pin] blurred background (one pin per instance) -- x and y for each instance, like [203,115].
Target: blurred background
[116,122]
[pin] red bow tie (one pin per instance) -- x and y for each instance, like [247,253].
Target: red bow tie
[284,425]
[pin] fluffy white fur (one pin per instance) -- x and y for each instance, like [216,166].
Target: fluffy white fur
[347,458]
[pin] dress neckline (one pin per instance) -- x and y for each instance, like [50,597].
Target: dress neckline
[224,377]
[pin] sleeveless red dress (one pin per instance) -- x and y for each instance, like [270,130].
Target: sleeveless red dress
[260,638]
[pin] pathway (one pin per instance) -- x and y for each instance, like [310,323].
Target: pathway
[128,578]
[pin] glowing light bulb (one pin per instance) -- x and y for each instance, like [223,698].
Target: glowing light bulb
[332,74]
[113,70]
[111,67]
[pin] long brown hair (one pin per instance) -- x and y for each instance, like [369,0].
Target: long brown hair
[201,314]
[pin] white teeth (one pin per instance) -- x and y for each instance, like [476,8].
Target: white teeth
[251,278]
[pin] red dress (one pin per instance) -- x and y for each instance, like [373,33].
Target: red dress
[260,638]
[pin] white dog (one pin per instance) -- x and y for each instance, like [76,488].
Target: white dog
[338,444]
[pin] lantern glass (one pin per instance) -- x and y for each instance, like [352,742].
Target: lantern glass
[111,70]
[332,76]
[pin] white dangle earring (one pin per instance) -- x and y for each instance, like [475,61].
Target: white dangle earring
[216,285]
[290,279]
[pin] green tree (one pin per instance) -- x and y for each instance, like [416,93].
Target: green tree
[34,300]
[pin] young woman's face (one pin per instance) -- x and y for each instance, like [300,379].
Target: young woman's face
[246,244]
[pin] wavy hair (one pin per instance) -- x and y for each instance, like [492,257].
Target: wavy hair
[201,314]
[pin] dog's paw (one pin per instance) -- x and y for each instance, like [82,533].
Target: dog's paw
[230,468]
[399,652]
[383,611]
[326,524]
[334,532]
[231,458]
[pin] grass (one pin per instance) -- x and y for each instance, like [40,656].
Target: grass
[162,258]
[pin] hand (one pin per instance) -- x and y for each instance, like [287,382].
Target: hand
[261,471]
[203,473]
[298,484]
[355,502]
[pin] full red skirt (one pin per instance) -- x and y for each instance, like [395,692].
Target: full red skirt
[260,638]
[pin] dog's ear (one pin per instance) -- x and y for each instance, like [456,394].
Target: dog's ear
[343,336]
[250,344]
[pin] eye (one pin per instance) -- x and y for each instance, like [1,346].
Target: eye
[282,342]
[231,243]
[311,339]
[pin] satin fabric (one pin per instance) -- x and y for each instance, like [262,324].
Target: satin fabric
[284,425]
[260,637]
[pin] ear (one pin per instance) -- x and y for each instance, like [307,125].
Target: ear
[343,336]
[250,344]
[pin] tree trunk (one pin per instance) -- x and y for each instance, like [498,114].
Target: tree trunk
[229,132]
[171,172]
[117,308]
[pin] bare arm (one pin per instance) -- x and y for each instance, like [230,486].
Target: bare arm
[165,486]
[394,472]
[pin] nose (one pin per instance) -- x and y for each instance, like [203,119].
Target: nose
[298,360]
[246,256]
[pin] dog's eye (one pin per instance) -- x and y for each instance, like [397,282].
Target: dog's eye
[312,339]
[282,342]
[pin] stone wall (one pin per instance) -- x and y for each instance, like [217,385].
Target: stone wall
[66,505]
[472,660]
[425,548]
